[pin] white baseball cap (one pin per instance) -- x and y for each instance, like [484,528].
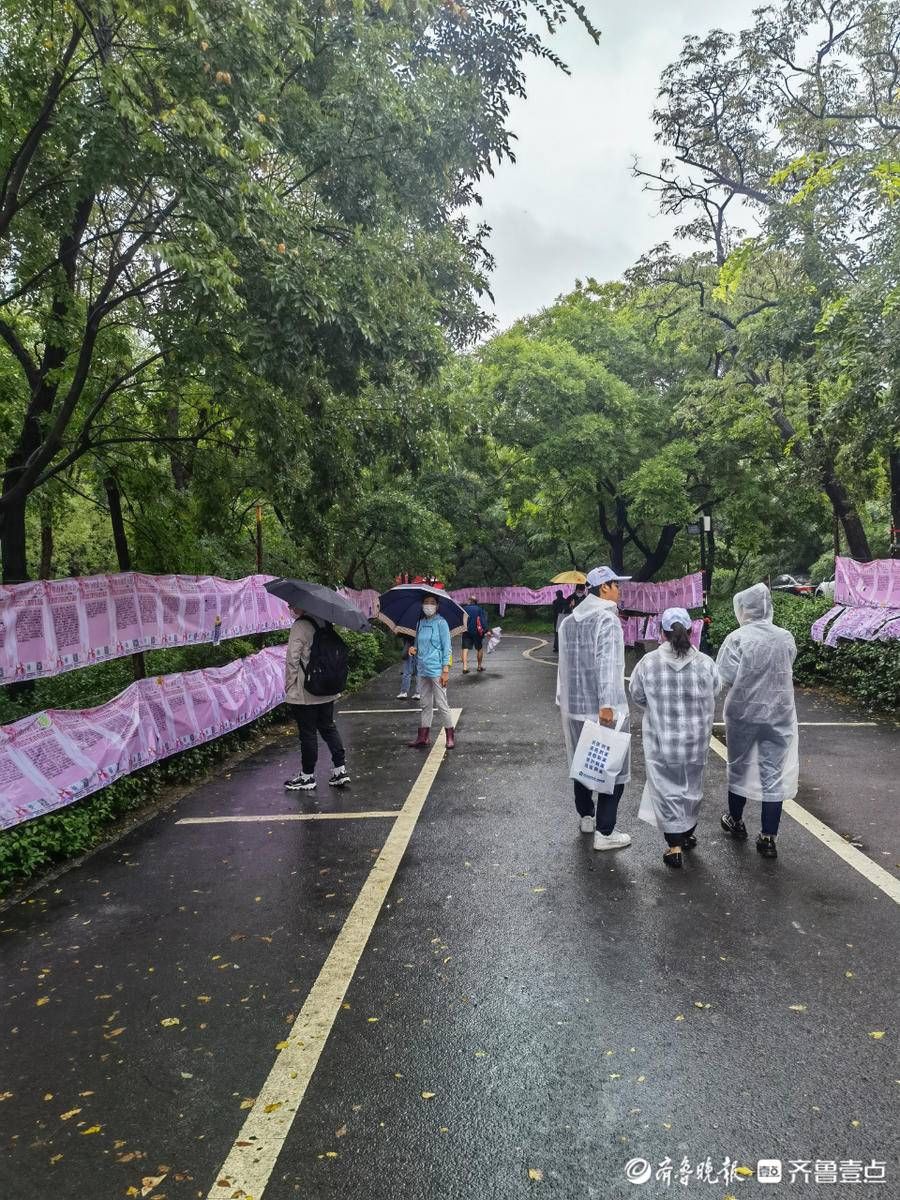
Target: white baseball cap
[675,616]
[605,575]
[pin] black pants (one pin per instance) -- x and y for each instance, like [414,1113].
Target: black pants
[677,839]
[771,813]
[313,719]
[607,806]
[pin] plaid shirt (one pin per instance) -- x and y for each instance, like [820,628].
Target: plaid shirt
[679,703]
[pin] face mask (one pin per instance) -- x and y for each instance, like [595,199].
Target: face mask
[429,609]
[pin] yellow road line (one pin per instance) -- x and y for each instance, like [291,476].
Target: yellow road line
[855,858]
[251,1160]
[335,816]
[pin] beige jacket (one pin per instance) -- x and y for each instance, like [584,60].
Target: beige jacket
[298,649]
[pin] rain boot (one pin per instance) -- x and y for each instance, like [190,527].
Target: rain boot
[450,734]
[422,740]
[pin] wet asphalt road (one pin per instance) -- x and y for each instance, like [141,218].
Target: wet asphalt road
[566,1011]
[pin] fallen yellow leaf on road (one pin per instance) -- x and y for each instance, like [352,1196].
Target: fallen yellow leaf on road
[47,1096]
[274,1107]
[43,1000]
[247,1102]
[341,1132]
[66,1116]
[204,999]
[797,1007]
[55,1159]
[877,1034]
[114,1033]
[428,1095]
[536,1174]
[169,1021]
[331,1154]
[372,1020]
[149,1182]
[680,1017]
[282,1045]
[744,1172]
[91,1129]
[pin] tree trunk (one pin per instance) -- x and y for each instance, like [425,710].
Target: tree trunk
[46,568]
[123,556]
[845,510]
[13,544]
[656,559]
[894,464]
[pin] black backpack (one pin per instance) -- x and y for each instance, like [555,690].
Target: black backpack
[326,672]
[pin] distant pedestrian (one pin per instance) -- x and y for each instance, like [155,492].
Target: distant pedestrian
[314,714]
[409,671]
[477,629]
[591,687]
[432,653]
[676,687]
[580,594]
[756,662]
[560,611]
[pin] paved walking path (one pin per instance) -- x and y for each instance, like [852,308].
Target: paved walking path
[476,1003]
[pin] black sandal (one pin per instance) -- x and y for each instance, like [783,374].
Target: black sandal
[674,858]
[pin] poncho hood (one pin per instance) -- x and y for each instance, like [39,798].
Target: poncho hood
[754,604]
[671,659]
[593,606]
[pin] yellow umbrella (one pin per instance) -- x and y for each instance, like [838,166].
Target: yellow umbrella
[570,577]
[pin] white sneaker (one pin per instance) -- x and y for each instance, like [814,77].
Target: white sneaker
[588,825]
[612,841]
[338,777]
[416,696]
[403,695]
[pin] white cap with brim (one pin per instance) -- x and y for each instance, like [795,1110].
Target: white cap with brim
[601,575]
[675,616]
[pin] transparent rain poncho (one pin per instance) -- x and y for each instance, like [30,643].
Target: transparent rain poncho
[678,696]
[591,672]
[756,663]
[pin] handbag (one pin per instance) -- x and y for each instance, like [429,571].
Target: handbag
[600,755]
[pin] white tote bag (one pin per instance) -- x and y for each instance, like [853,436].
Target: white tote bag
[600,755]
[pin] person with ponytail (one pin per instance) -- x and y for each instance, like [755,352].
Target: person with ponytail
[676,687]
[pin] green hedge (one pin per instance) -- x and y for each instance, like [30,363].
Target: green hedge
[73,830]
[868,672]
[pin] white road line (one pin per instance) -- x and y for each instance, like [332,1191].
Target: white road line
[824,724]
[336,816]
[853,857]
[251,1160]
[356,712]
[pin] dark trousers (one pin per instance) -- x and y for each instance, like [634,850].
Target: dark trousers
[771,812]
[313,719]
[607,806]
[677,839]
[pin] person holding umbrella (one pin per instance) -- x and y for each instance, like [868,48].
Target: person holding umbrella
[432,653]
[315,673]
[425,614]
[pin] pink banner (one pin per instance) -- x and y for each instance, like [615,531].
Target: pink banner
[53,758]
[53,626]
[872,584]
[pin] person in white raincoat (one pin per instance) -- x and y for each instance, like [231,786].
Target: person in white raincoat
[756,662]
[676,687]
[590,686]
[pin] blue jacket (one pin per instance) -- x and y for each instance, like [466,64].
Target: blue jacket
[432,647]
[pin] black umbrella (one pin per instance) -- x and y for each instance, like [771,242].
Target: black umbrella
[319,601]
[401,609]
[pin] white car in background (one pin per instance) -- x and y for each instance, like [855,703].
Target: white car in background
[826,589]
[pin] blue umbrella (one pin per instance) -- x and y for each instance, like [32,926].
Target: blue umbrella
[401,609]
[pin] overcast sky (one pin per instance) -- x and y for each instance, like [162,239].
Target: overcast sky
[568,207]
